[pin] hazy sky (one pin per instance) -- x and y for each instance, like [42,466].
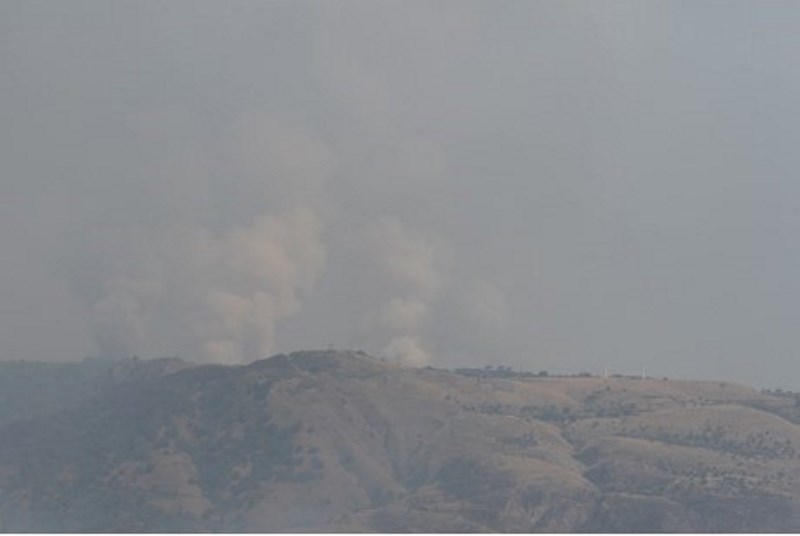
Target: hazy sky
[547,185]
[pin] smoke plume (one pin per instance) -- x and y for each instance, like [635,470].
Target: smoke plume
[415,265]
[220,295]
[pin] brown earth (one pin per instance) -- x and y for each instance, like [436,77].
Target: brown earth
[339,441]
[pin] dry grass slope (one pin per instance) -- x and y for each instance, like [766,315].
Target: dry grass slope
[339,441]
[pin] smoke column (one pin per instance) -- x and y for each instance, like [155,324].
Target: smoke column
[415,265]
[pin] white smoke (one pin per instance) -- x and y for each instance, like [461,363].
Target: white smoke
[413,259]
[406,349]
[217,242]
[226,238]
[214,297]
[416,266]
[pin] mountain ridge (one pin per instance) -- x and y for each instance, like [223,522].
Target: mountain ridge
[341,441]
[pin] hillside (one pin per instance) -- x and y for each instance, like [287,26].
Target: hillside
[339,441]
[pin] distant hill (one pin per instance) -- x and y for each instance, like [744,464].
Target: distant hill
[340,441]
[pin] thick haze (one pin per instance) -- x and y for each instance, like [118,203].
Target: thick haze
[561,186]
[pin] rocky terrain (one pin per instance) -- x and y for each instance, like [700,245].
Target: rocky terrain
[340,441]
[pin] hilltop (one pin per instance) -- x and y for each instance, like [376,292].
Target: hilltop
[340,441]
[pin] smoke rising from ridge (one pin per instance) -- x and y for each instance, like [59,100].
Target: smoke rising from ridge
[218,295]
[565,186]
[229,241]
[416,266]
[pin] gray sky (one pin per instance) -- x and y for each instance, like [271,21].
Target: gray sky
[547,185]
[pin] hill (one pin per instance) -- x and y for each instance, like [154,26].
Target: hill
[339,441]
